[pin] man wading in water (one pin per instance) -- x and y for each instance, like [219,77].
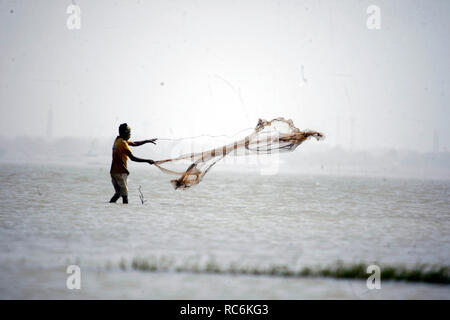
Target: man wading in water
[120,153]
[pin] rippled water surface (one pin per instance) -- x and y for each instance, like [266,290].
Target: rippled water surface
[54,216]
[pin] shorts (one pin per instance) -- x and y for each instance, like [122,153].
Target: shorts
[119,181]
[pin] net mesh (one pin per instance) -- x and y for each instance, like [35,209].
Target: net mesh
[277,135]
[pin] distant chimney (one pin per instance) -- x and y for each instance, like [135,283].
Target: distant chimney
[435,141]
[352,133]
[338,132]
[49,124]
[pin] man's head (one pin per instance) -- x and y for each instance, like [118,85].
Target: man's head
[124,131]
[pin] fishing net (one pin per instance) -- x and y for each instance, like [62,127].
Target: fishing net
[277,135]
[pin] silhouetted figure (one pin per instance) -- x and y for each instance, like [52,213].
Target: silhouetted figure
[120,154]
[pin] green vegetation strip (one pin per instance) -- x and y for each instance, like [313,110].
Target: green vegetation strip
[420,273]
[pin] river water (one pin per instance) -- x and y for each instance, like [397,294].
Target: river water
[53,216]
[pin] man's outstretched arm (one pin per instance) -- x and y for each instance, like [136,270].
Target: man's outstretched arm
[140,143]
[136,159]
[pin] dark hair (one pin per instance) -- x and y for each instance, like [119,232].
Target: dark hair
[124,131]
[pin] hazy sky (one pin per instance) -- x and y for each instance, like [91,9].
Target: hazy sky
[177,68]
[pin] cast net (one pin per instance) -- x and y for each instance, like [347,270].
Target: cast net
[277,135]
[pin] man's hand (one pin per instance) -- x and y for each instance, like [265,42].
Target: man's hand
[152,141]
[136,159]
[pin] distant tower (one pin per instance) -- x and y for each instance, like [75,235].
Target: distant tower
[338,136]
[352,133]
[49,124]
[435,141]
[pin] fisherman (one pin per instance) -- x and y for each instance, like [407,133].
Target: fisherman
[120,154]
